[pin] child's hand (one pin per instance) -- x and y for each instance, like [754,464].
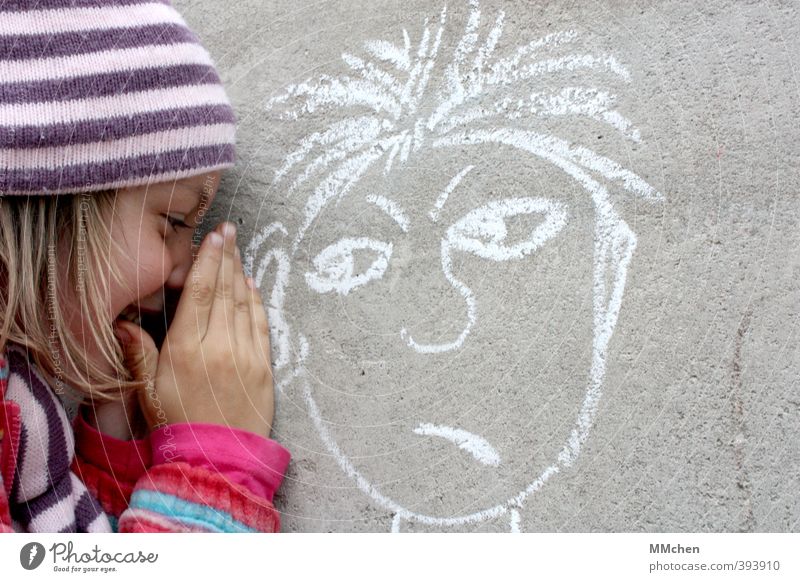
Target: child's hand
[214,365]
[121,420]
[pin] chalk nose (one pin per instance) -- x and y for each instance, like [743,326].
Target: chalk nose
[436,333]
[451,330]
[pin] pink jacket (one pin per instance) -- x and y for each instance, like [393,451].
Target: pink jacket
[57,475]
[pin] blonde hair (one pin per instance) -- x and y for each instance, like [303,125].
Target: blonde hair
[36,232]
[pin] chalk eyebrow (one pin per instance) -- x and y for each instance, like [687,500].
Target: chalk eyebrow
[390,208]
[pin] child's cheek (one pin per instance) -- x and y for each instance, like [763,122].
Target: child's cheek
[153,269]
[143,273]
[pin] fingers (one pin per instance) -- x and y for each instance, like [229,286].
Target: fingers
[260,325]
[222,309]
[194,307]
[241,301]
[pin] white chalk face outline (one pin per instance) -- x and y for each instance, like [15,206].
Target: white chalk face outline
[390,128]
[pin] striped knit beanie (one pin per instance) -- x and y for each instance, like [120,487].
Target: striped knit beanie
[100,94]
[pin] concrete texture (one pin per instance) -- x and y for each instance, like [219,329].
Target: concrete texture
[679,413]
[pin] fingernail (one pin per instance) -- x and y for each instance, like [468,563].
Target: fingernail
[251,283]
[228,230]
[216,239]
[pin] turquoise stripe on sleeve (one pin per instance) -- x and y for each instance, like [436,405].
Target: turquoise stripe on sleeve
[188,512]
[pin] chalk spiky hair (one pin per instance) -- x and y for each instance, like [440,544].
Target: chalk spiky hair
[391,123]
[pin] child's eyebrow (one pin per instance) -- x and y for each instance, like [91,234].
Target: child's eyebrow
[194,194]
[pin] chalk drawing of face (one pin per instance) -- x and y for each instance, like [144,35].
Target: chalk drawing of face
[427,235]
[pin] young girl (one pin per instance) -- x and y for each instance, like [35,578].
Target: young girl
[114,128]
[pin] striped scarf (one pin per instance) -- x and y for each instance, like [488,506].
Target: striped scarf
[46,496]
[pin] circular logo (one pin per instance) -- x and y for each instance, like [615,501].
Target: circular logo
[31,555]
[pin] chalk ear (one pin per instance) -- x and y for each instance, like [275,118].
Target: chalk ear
[614,251]
[269,266]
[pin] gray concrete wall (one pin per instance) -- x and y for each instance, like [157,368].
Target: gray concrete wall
[598,331]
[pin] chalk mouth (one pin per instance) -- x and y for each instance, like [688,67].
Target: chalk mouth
[474,444]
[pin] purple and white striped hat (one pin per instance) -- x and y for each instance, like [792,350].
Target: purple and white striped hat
[99,94]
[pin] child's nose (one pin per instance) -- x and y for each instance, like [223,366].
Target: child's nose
[177,278]
[181,266]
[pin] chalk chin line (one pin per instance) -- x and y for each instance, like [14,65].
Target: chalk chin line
[513,525]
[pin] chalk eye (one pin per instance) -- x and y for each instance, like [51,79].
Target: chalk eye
[335,265]
[483,231]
